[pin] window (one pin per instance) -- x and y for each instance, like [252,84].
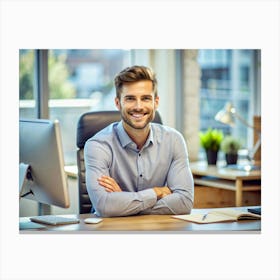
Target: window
[81,80]
[26,81]
[228,75]
[78,81]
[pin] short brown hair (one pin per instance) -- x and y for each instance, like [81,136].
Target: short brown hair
[134,74]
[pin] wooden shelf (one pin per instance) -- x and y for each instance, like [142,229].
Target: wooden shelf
[218,177]
[226,184]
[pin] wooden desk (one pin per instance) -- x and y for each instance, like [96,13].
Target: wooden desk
[225,178]
[148,224]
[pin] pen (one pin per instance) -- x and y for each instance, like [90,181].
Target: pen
[204,216]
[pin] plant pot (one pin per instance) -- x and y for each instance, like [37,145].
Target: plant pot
[231,158]
[211,157]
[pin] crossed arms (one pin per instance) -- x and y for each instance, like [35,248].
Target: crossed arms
[111,198]
[111,185]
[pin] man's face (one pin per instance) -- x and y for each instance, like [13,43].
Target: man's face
[137,104]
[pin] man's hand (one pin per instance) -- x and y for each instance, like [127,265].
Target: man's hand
[109,184]
[161,192]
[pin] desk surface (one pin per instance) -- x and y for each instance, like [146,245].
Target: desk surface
[149,224]
[203,169]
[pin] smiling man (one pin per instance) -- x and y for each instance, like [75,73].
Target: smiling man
[135,166]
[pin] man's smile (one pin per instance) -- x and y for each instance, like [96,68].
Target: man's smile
[137,115]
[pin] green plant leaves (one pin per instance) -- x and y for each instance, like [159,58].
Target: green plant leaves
[230,145]
[211,139]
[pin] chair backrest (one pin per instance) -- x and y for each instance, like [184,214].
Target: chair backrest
[88,125]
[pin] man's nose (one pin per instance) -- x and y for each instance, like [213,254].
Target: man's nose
[138,104]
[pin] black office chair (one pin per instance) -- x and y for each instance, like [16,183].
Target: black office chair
[88,125]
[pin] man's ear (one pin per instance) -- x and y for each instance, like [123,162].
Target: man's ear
[156,102]
[117,103]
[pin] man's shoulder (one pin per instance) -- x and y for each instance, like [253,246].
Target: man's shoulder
[168,137]
[104,135]
[161,130]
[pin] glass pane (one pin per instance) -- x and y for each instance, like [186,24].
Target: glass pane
[81,81]
[26,84]
[226,77]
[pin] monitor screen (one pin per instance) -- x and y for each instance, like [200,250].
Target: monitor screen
[40,149]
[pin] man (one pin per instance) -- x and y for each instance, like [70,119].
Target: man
[135,166]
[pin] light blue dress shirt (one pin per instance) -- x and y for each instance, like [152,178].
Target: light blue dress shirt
[163,161]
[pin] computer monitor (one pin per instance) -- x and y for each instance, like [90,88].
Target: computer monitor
[41,163]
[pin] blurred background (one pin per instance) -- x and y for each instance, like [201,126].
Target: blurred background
[193,85]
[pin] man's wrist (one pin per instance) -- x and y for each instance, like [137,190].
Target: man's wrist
[157,191]
[161,191]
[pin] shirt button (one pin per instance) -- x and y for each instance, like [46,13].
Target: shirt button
[139,155]
[141,175]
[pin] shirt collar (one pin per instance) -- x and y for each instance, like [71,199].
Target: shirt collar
[126,140]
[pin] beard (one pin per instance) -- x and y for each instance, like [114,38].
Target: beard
[127,117]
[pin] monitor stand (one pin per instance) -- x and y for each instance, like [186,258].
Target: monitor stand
[24,179]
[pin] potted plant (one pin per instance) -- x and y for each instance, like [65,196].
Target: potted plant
[230,146]
[211,140]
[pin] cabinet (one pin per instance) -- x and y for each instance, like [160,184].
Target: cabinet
[218,181]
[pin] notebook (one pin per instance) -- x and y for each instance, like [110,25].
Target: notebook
[217,216]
